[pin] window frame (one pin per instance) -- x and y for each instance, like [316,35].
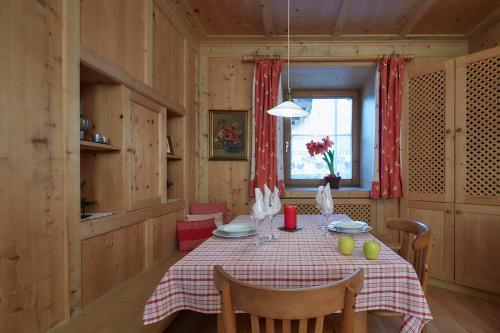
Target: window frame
[355,130]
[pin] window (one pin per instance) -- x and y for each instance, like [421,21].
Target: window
[334,114]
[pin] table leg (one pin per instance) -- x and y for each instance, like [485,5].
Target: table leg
[220,323]
[360,322]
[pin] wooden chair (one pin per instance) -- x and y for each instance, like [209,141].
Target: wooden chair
[421,244]
[286,305]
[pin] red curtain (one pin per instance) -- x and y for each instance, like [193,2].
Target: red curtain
[389,184]
[266,89]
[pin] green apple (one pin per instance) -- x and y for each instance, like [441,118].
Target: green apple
[346,245]
[371,249]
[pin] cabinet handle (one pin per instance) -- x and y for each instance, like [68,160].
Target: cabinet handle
[459,130]
[448,131]
[458,211]
[448,211]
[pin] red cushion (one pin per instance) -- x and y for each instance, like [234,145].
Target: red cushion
[209,208]
[190,234]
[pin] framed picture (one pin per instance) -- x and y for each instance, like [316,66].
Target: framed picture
[228,135]
[170,146]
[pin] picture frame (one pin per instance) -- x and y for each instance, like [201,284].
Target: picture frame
[170,146]
[229,134]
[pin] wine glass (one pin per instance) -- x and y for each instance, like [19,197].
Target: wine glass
[272,235]
[258,217]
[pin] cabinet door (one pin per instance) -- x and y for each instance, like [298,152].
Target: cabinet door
[439,216]
[478,128]
[477,246]
[146,146]
[428,134]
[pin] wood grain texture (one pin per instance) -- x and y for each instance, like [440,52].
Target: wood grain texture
[116,30]
[168,58]
[453,16]
[34,289]
[145,139]
[485,39]
[164,234]
[110,259]
[191,125]
[440,218]
[476,261]
[121,309]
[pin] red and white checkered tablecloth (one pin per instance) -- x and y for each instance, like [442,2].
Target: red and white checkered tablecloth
[298,259]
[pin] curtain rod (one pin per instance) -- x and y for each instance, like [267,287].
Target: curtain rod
[253,58]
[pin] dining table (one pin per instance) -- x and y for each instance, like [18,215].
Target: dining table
[303,258]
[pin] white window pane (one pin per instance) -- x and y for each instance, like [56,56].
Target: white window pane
[329,117]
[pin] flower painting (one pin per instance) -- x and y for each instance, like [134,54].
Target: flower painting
[228,135]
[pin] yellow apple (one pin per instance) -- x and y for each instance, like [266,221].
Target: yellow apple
[371,249]
[346,245]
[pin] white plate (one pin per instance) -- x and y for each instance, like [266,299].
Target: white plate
[237,228]
[223,234]
[349,224]
[350,231]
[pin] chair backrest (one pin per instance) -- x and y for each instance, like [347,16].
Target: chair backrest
[209,208]
[287,304]
[421,244]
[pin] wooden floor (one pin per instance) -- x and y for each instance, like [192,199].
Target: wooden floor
[453,313]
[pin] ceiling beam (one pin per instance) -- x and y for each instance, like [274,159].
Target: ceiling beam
[488,21]
[339,22]
[267,17]
[413,20]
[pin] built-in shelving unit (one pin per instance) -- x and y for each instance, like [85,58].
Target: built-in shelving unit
[94,146]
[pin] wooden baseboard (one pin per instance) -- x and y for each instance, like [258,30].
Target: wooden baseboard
[465,290]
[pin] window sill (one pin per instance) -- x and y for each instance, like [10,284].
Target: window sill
[343,192]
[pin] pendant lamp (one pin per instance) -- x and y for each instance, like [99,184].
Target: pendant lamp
[288,108]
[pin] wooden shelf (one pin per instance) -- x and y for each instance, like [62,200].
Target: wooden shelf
[97,70]
[93,146]
[174,158]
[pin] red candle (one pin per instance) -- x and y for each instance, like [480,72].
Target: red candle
[290,217]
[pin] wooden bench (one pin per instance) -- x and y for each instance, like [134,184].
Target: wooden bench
[121,309]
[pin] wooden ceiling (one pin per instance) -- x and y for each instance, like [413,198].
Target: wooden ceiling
[337,19]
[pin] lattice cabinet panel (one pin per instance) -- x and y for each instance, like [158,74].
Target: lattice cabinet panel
[478,128]
[356,209]
[428,128]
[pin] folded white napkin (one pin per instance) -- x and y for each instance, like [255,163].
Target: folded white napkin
[326,205]
[319,195]
[258,212]
[275,201]
[267,200]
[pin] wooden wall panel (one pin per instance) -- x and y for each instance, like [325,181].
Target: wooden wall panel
[230,84]
[230,88]
[145,139]
[110,259]
[191,124]
[116,30]
[164,234]
[33,201]
[168,58]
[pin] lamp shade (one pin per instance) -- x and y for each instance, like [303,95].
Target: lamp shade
[288,109]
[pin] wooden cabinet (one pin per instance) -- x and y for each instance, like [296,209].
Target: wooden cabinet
[440,217]
[478,128]
[147,160]
[452,157]
[428,129]
[477,246]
